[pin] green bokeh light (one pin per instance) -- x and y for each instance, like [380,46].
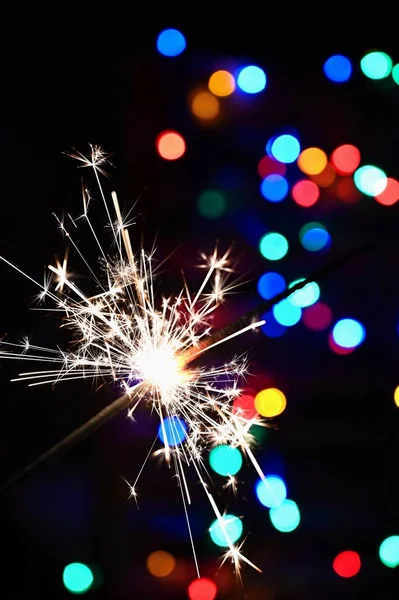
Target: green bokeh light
[233,527]
[258,432]
[77,578]
[395,74]
[370,180]
[211,204]
[273,246]
[225,460]
[389,551]
[376,65]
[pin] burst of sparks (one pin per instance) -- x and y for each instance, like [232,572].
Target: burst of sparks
[125,333]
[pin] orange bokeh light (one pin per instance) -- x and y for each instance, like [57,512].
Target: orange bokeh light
[326,177]
[312,161]
[391,193]
[205,106]
[345,159]
[170,145]
[221,83]
[160,563]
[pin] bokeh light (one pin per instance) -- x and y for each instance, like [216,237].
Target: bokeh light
[347,564]
[286,313]
[307,295]
[221,83]
[286,516]
[171,42]
[314,237]
[211,204]
[268,166]
[274,188]
[170,145]
[326,177]
[78,578]
[271,491]
[251,79]
[370,180]
[336,348]
[160,563]
[376,65]
[312,161]
[205,106]
[305,193]
[273,246]
[348,333]
[270,284]
[345,159]
[270,402]
[272,328]
[395,74]
[285,148]
[233,527]
[396,396]
[317,317]
[389,551]
[225,460]
[173,432]
[202,589]
[346,191]
[338,68]
[390,195]
[244,407]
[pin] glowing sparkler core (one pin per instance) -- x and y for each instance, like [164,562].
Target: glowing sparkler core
[161,369]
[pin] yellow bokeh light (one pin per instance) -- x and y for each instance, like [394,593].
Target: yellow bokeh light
[312,161]
[205,106]
[221,83]
[270,402]
[160,563]
[396,396]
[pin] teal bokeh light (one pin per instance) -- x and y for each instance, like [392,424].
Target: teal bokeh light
[233,527]
[78,578]
[225,460]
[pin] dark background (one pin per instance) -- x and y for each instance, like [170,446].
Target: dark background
[71,80]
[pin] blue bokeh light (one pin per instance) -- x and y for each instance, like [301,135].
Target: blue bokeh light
[272,328]
[175,431]
[338,68]
[274,188]
[285,148]
[251,79]
[286,516]
[286,313]
[270,284]
[271,491]
[348,333]
[171,42]
[315,238]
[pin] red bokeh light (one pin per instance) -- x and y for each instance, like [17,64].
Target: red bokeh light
[170,145]
[338,349]
[268,166]
[202,589]
[305,193]
[391,193]
[244,406]
[345,159]
[326,177]
[317,317]
[347,564]
[347,191]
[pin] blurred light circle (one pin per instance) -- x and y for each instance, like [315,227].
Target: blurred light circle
[244,407]
[251,79]
[272,328]
[317,317]
[389,551]
[270,284]
[336,348]
[270,402]
[305,296]
[345,159]
[305,193]
[273,246]
[170,145]
[205,106]
[370,180]
[395,74]
[160,563]
[338,68]
[314,237]
[376,65]
[285,148]
[271,491]
[233,527]
[347,191]
[202,589]
[286,313]
[274,188]
[173,432]
[312,161]
[390,195]
[326,177]
[211,204]
[347,564]
[171,42]
[348,333]
[221,83]
[77,578]
[396,396]
[286,516]
[268,166]
[225,460]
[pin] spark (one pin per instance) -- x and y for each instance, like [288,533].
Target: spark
[124,333]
